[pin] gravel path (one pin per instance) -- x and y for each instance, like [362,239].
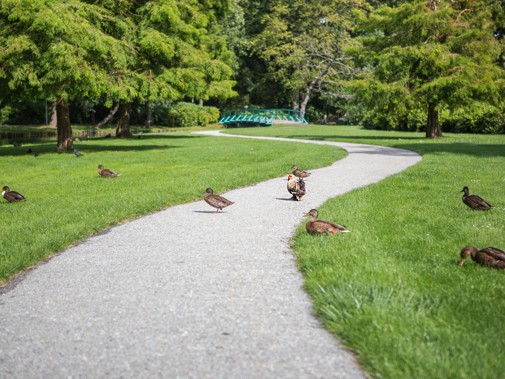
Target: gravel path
[159,297]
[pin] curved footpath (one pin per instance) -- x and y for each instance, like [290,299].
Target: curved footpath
[185,293]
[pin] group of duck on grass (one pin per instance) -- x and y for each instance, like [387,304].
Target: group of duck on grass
[14,197]
[490,256]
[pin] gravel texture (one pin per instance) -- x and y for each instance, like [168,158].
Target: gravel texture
[187,293]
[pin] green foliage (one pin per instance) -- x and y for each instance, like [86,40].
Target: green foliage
[5,113]
[189,114]
[180,51]
[301,45]
[421,53]
[60,50]
[476,118]
[106,51]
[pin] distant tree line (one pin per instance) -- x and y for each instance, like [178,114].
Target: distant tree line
[427,65]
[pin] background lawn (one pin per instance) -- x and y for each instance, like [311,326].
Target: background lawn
[391,289]
[68,201]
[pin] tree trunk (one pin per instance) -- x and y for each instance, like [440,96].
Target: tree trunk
[149,118]
[64,129]
[433,127]
[54,120]
[295,102]
[306,96]
[123,124]
[109,116]
[200,103]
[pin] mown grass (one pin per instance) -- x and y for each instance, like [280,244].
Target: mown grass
[68,201]
[391,289]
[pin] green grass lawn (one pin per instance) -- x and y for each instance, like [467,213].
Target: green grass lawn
[391,289]
[68,201]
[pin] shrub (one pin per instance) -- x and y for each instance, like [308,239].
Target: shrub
[189,114]
[476,118]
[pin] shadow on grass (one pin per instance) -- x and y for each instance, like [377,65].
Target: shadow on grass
[476,150]
[88,145]
[424,146]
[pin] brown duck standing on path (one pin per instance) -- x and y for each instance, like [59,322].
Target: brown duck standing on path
[106,172]
[490,256]
[216,201]
[296,188]
[12,196]
[474,201]
[299,172]
[315,226]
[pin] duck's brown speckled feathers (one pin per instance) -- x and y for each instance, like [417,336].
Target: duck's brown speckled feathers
[106,172]
[296,188]
[315,226]
[299,172]
[12,196]
[216,201]
[490,256]
[474,201]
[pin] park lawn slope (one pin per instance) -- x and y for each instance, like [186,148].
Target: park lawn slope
[68,201]
[392,289]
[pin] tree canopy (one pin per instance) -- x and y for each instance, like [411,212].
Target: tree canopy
[420,64]
[429,55]
[62,51]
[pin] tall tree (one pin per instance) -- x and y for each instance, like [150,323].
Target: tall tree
[178,53]
[430,54]
[60,51]
[302,43]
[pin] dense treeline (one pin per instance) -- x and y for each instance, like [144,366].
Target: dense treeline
[428,65]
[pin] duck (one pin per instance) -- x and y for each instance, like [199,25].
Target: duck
[315,226]
[296,188]
[299,172]
[490,256]
[106,172]
[216,201]
[12,196]
[77,153]
[474,201]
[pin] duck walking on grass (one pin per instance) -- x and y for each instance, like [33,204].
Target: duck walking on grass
[106,172]
[77,153]
[490,256]
[296,188]
[216,201]
[474,201]
[12,196]
[315,226]
[299,172]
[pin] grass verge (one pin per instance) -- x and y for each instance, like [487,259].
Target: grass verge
[391,289]
[68,201]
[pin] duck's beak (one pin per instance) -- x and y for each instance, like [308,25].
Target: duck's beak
[462,262]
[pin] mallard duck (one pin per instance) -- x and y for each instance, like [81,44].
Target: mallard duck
[315,226]
[12,196]
[77,153]
[106,172]
[474,201]
[216,201]
[490,256]
[296,188]
[298,172]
